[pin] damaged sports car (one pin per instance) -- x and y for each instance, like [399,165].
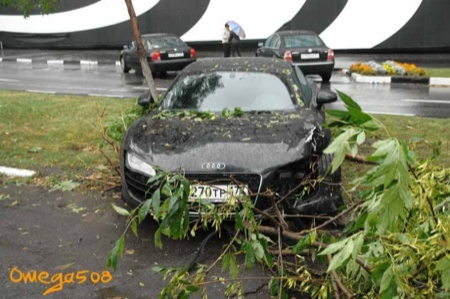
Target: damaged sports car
[233,126]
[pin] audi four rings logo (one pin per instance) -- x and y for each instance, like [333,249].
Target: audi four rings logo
[213,165]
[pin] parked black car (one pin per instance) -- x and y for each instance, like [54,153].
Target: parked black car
[165,52]
[276,143]
[302,48]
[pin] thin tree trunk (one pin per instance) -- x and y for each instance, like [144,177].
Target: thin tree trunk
[142,53]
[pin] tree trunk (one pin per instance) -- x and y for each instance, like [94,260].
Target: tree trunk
[142,53]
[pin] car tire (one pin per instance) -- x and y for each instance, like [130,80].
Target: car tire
[326,77]
[324,169]
[125,68]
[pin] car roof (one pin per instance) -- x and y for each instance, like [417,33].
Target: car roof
[241,64]
[296,32]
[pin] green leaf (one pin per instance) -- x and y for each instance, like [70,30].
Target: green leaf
[158,242]
[229,262]
[341,257]
[156,202]
[332,248]
[115,252]
[361,138]
[386,279]
[143,210]
[443,266]
[238,225]
[134,227]
[348,101]
[302,244]
[121,211]
[250,254]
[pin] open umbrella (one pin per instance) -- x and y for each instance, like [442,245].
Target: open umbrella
[237,28]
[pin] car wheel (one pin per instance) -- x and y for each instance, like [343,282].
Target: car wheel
[324,169]
[325,77]
[328,198]
[124,66]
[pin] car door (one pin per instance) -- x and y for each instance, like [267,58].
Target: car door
[265,50]
[133,59]
[275,47]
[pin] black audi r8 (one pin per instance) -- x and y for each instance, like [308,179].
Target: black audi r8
[275,142]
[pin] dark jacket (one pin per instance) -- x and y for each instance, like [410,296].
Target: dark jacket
[234,38]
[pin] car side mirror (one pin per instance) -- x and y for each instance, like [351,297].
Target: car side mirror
[145,99]
[260,44]
[326,97]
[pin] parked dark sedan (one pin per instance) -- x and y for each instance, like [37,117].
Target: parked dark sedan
[276,143]
[302,48]
[165,52]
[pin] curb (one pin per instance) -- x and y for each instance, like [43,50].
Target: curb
[15,172]
[431,81]
[81,62]
[61,62]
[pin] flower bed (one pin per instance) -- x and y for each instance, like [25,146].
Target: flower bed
[387,68]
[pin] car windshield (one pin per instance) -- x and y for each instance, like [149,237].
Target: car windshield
[216,91]
[166,41]
[294,41]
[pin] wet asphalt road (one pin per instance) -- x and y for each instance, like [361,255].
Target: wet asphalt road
[108,80]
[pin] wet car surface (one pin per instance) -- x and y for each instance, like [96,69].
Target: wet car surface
[302,48]
[165,52]
[274,142]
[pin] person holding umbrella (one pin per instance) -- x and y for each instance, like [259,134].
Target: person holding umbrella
[236,33]
[235,41]
[226,41]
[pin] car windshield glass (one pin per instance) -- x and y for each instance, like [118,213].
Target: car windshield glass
[219,90]
[294,41]
[166,41]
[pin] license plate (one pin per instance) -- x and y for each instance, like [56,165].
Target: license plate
[217,193]
[310,56]
[173,55]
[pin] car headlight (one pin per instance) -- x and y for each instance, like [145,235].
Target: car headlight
[136,164]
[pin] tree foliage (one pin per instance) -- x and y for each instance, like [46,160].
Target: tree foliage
[394,243]
[26,7]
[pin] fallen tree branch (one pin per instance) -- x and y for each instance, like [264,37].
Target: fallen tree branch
[297,236]
[338,283]
[332,219]
[359,159]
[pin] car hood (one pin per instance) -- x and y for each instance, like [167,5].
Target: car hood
[252,143]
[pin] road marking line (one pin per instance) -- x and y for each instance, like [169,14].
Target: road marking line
[24,60]
[55,61]
[8,80]
[426,101]
[105,95]
[16,172]
[146,88]
[88,62]
[40,91]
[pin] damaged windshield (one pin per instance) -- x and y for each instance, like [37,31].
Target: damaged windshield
[216,91]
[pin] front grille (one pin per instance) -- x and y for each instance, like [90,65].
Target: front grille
[137,183]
